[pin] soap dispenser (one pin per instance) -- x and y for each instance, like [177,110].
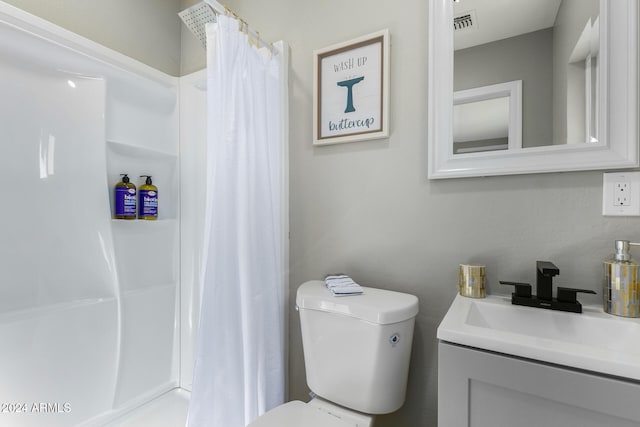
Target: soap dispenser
[621,282]
[148,192]
[125,199]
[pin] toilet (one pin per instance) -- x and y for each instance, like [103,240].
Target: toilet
[356,353]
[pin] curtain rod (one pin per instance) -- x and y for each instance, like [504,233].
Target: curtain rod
[221,9]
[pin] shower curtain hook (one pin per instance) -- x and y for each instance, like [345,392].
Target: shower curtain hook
[255,39]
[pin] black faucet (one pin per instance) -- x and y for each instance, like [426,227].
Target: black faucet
[545,271]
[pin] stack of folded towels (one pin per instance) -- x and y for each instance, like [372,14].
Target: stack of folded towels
[342,285]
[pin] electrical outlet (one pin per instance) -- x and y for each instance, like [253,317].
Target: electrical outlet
[621,194]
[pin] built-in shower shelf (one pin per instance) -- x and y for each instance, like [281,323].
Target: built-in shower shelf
[137,222]
[53,309]
[136,160]
[139,151]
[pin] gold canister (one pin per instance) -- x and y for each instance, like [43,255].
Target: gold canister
[620,288]
[471,280]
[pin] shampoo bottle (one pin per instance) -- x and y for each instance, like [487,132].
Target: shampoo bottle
[148,196]
[125,199]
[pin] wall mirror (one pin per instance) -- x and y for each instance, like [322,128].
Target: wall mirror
[570,72]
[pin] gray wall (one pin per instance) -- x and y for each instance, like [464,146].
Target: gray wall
[570,21]
[528,58]
[147,30]
[367,208]
[193,54]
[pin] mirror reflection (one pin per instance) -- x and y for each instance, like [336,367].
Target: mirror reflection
[488,118]
[481,126]
[552,46]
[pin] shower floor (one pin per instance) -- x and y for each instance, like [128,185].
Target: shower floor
[168,410]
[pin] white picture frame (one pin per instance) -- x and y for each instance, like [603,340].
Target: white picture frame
[351,90]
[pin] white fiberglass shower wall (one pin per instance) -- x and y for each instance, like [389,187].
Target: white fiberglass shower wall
[89,305]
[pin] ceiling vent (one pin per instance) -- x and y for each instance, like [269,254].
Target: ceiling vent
[465,21]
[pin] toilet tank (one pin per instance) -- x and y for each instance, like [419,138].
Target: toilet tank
[357,348]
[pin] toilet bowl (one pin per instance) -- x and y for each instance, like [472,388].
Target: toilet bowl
[356,352]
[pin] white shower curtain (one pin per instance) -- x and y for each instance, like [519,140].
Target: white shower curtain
[239,369]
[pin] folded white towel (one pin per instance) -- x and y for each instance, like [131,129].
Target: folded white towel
[342,285]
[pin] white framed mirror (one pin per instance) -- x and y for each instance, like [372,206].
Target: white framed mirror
[589,97]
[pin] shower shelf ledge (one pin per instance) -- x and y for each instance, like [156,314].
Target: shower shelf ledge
[139,150]
[130,222]
[47,310]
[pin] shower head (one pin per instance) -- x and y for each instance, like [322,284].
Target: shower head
[195,18]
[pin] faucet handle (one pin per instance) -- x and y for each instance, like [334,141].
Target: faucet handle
[522,289]
[569,294]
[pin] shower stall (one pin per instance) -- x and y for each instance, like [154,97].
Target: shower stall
[97,315]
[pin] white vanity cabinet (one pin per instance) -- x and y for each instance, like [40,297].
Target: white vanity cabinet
[482,388]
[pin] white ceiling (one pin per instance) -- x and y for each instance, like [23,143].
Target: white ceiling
[501,19]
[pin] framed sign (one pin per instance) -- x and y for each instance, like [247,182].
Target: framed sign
[351,90]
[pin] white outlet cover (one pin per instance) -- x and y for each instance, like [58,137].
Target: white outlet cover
[609,183]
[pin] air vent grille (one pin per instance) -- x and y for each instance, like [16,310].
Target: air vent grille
[464,21]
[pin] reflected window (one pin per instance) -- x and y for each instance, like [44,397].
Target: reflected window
[481,126]
[582,86]
[488,118]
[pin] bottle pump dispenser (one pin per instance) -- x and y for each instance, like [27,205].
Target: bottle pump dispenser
[125,199]
[148,192]
[620,293]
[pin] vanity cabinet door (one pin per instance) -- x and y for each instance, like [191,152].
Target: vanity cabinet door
[483,389]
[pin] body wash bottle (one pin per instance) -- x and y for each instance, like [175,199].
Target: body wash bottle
[125,199]
[148,196]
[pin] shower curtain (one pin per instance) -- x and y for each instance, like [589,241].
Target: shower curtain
[239,368]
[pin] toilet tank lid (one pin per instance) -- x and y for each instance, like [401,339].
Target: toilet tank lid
[374,305]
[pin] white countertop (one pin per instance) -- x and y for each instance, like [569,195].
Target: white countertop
[593,340]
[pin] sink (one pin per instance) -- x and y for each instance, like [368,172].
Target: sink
[593,340]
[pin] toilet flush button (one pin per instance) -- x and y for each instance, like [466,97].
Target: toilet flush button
[394,339]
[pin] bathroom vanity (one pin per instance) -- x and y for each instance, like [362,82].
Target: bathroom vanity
[506,365]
